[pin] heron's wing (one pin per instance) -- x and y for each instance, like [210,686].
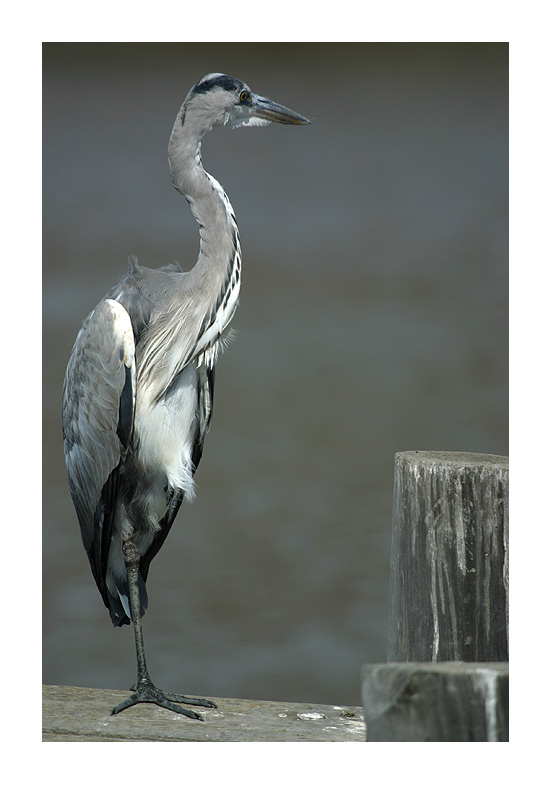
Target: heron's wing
[97,416]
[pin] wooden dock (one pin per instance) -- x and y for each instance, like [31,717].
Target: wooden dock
[83,714]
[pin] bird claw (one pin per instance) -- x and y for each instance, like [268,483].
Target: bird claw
[148,693]
[207,704]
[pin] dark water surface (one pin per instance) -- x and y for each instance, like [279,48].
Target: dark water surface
[373,319]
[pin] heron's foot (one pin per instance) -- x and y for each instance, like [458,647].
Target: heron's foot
[148,693]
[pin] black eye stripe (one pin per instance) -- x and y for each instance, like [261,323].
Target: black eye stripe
[223,81]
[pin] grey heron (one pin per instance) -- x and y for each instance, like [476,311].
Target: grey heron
[138,390]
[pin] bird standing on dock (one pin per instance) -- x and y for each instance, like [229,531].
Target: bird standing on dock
[138,391]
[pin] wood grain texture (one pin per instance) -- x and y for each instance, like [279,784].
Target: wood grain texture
[82,714]
[449,558]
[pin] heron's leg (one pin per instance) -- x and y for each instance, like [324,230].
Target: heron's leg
[145,691]
[132,563]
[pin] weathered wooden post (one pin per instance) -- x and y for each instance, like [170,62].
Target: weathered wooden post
[448,603]
[436,701]
[449,558]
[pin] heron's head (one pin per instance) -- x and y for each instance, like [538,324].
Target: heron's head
[218,99]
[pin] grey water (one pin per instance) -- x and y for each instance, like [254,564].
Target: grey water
[373,319]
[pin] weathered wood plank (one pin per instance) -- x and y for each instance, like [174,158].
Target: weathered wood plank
[443,701]
[82,714]
[449,558]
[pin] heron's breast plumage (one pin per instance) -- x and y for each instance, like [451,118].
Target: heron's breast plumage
[165,431]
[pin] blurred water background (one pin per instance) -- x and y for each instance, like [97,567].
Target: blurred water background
[373,319]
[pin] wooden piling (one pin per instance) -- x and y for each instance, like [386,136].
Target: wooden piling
[449,558]
[441,701]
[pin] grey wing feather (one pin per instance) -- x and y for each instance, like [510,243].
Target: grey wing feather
[97,415]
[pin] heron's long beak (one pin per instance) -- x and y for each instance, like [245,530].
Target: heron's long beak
[265,109]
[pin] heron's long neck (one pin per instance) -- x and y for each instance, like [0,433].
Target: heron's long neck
[219,260]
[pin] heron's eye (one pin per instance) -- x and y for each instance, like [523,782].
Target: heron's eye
[244,95]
